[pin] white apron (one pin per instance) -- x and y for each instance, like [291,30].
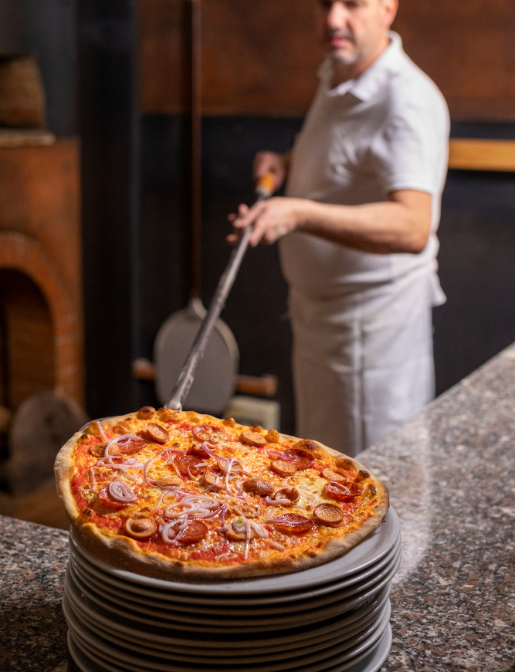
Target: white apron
[363,361]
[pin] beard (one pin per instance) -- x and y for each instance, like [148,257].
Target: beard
[343,58]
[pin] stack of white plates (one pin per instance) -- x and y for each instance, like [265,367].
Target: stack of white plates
[329,618]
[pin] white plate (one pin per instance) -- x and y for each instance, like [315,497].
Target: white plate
[225,616]
[189,650]
[109,645]
[215,605]
[177,621]
[171,638]
[320,660]
[371,661]
[366,553]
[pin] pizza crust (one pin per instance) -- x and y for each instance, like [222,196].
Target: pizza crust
[124,553]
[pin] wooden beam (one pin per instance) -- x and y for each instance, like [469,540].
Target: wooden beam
[494,155]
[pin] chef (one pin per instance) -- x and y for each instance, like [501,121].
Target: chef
[357,230]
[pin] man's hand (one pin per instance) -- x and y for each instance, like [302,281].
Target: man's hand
[270,162]
[271,220]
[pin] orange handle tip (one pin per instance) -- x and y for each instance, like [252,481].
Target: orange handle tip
[266,184]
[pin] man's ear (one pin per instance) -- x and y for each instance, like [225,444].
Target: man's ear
[390,8]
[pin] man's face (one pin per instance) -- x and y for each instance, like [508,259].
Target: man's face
[351,30]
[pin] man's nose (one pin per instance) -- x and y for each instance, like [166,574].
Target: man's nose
[337,16]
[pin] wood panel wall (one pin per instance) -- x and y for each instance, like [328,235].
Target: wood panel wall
[260,57]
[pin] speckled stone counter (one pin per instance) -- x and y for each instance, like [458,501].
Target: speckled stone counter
[451,474]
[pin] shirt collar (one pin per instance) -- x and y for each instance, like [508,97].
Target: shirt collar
[374,77]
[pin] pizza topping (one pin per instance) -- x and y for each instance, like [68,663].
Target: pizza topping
[286,496]
[121,492]
[273,436]
[94,429]
[140,528]
[211,478]
[361,476]
[167,481]
[328,514]
[229,422]
[156,433]
[300,458]
[98,449]
[200,451]
[128,444]
[258,487]
[121,428]
[292,523]
[238,530]
[189,465]
[146,412]
[194,532]
[279,456]
[245,509]
[283,468]
[253,439]
[333,476]
[208,433]
[344,492]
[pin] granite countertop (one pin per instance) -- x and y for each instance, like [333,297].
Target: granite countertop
[451,475]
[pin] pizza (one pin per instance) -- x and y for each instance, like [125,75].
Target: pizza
[177,494]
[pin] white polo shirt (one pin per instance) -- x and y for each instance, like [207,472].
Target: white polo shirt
[385,131]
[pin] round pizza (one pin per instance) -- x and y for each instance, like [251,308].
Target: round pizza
[177,494]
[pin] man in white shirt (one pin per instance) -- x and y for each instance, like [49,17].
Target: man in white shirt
[357,230]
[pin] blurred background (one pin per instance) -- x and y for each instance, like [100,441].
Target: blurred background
[95,215]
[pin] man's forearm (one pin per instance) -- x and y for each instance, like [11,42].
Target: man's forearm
[381,228]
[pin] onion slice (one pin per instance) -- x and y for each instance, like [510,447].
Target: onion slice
[121,492]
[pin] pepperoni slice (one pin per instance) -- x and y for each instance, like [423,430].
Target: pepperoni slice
[292,523]
[283,468]
[211,477]
[104,498]
[128,446]
[344,492]
[291,494]
[300,458]
[192,533]
[256,486]
[156,433]
[140,528]
[253,439]
[328,514]
[208,433]
[331,475]
[199,451]
[189,466]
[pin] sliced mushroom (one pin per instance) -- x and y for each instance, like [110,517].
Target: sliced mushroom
[140,528]
[328,514]
[156,433]
[253,439]
[283,468]
[146,412]
[257,486]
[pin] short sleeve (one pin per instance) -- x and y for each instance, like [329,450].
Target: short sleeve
[410,151]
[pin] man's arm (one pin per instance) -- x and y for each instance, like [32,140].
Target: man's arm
[401,224]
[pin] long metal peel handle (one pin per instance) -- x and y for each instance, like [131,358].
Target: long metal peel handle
[264,190]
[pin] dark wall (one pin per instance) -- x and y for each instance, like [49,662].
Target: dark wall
[46,29]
